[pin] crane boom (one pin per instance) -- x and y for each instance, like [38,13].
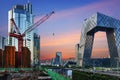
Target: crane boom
[37,23]
[20,36]
[12,20]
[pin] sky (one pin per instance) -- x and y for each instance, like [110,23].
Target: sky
[66,24]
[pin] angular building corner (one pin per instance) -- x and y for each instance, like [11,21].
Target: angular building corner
[99,22]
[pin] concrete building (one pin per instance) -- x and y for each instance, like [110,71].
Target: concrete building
[3,42]
[23,17]
[36,55]
[100,22]
[78,56]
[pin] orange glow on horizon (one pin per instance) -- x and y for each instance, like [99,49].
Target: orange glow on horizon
[100,53]
[100,46]
[66,44]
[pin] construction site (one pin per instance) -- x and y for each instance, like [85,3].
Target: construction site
[15,58]
[10,58]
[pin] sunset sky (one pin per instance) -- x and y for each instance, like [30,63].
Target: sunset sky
[66,24]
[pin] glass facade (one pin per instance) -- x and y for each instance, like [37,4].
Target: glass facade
[57,61]
[22,15]
[99,22]
[58,58]
[3,43]
[36,56]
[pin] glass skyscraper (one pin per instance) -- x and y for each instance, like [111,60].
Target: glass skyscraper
[36,55]
[58,58]
[100,22]
[23,17]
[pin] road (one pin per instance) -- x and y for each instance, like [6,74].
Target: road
[111,73]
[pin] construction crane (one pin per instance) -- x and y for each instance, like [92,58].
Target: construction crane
[20,36]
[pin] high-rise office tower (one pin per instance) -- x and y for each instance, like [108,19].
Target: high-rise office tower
[23,17]
[36,55]
[58,59]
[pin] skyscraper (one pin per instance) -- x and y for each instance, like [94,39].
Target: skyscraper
[77,46]
[36,56]
[58,59]
[23,17]
[93,24]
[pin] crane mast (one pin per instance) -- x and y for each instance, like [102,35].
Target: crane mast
[20,36]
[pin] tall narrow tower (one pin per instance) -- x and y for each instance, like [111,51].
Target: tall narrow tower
[36,55]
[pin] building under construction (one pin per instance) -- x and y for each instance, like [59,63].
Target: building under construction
[25,58]
[21,36]
[9,57]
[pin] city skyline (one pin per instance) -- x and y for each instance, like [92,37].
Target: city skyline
[66,24]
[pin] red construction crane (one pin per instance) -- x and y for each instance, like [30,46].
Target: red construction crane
[20,36]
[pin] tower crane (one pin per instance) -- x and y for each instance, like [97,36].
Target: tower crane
[20,36]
